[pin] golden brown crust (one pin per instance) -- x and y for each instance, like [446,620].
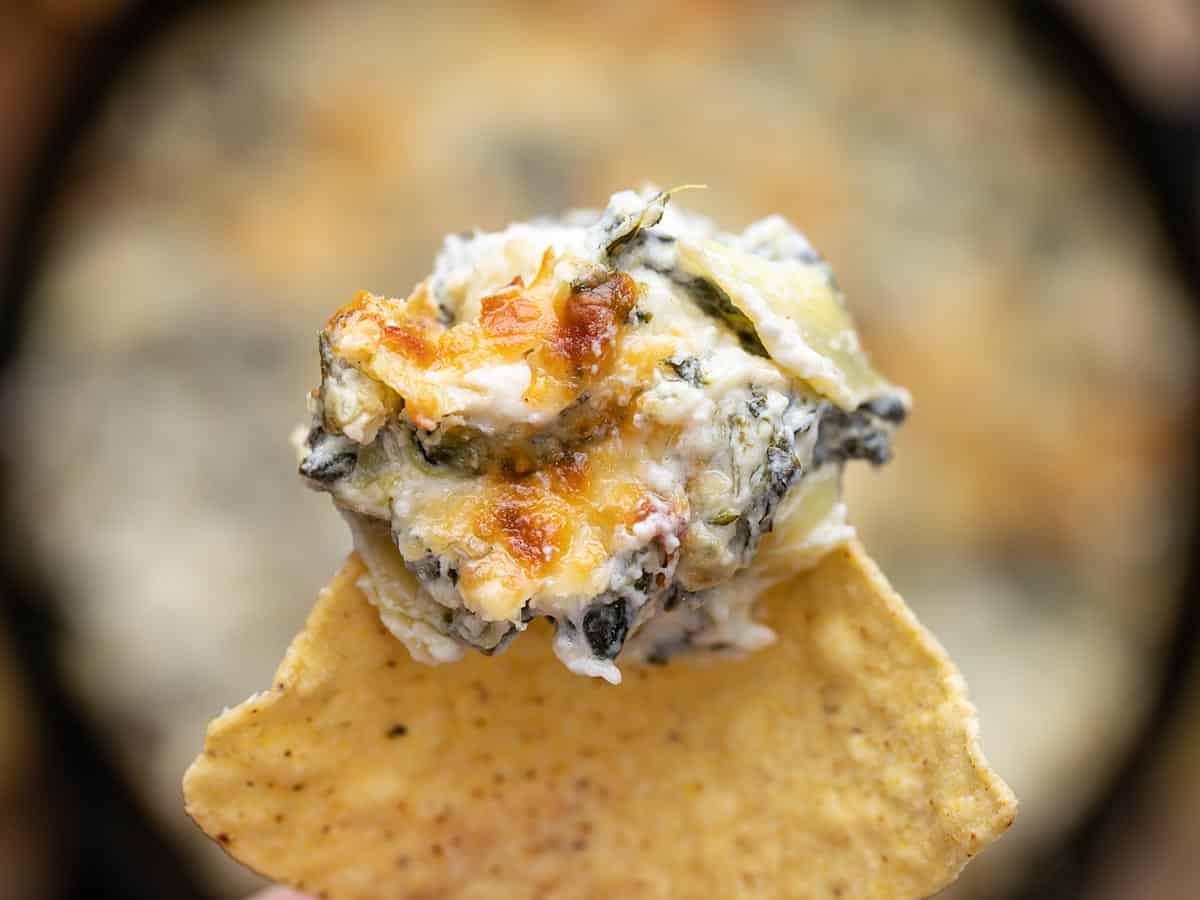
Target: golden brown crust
[591,318]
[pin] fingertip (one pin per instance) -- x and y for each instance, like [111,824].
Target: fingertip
[278,893]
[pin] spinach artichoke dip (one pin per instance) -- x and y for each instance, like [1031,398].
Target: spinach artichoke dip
[595,419]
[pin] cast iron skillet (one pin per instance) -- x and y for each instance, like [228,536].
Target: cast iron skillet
[109,847]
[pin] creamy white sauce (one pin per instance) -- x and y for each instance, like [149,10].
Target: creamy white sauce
[498,398]
[574,653]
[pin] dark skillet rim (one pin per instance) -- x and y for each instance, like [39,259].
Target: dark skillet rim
[105,843]
[1163,153]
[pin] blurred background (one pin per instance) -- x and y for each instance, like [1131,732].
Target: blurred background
[1008,193]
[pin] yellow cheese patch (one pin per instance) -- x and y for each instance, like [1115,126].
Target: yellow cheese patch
[566,334]
[550,530]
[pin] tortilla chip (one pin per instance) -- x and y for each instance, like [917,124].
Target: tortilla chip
[842,761]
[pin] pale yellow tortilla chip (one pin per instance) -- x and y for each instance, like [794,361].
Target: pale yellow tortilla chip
[842,761]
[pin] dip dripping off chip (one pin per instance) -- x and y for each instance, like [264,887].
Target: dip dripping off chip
[840,761]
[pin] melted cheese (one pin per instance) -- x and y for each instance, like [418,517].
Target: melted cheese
[797,313]
[530,353]
[551,533]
